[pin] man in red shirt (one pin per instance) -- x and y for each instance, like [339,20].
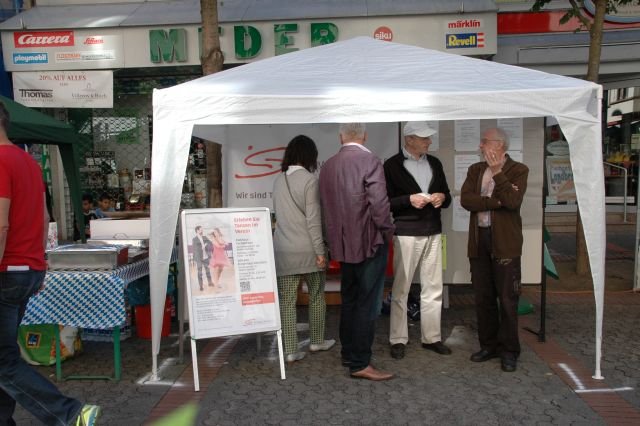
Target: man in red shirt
[24,222]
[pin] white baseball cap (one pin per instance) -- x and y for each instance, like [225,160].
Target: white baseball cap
[418,128]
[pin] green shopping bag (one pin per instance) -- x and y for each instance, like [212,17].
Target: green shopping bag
[38,343]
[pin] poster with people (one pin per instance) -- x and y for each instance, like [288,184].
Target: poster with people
[229,271]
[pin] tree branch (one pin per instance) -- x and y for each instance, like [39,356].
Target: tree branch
[578,14]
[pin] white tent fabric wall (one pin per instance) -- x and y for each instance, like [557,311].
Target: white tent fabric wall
[366,80]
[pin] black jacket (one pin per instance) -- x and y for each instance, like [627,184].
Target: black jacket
[401,184]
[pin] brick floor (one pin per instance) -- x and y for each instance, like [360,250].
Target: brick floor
[210,359]
[609,405]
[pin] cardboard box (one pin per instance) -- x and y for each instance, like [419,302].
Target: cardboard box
[128,229]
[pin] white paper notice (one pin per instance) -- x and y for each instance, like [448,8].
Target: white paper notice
[513,127]
[435,139]
[467,135]
[461,164]
[460,216]
[515,155]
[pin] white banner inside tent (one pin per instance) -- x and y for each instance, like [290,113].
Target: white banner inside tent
[252,154]
[366,80]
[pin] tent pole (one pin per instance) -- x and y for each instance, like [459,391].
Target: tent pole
[543,277]
[541,333]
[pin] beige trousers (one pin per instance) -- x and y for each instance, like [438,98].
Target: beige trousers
[409,253]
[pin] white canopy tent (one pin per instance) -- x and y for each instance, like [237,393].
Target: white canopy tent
[365,80]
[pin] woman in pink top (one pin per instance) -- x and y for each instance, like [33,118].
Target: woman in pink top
[219,257]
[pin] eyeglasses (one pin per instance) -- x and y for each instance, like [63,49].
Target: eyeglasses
[485,140]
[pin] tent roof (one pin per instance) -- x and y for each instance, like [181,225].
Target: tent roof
[365,80]
[27,124]
[385,81]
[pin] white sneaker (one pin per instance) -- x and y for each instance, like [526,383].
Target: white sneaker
[296,356]
[324,346]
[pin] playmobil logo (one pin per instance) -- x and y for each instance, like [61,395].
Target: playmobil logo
[43,39]
[30,58]
[460,41]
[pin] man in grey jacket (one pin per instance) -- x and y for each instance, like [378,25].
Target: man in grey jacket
[359,228]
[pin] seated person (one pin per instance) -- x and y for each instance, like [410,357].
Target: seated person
[88,215]
[104,206]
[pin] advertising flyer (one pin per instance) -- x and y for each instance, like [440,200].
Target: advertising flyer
[230,277]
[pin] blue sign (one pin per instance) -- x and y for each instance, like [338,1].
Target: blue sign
[30,58]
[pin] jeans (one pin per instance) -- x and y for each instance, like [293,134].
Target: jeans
[361,291]
[18,381]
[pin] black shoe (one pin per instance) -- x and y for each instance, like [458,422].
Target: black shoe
[397,351]
[437,347]
[509,363]
[483,355]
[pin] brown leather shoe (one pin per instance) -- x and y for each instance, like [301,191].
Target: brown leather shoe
[371,373]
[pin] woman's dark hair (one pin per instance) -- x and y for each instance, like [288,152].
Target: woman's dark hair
[301,150]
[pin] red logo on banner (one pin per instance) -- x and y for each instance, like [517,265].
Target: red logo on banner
[43,39]
[261,160]
[383,33]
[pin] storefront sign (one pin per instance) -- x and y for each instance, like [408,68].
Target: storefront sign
[31,58]
[64,89]
[85,56]
[63,50]
[43,39]
[253,41]
[383,33]
[141,47]
[465,41]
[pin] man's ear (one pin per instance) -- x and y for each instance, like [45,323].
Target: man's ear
[364,138]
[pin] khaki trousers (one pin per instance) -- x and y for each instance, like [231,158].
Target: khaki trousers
[409,253]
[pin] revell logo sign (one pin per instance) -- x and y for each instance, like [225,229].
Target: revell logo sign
[467,40]
[30,58]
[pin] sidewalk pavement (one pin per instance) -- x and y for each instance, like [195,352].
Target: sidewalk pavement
[552,385]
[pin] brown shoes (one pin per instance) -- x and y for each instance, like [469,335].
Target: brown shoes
[370,373]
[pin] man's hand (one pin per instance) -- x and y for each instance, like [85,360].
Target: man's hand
[321,262]
[495,159]
[437,198]
[419,200]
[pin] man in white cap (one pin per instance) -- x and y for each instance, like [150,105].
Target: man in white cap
[417,190]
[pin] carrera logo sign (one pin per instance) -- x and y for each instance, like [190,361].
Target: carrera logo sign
[94,40]
[43,39]
[459,41]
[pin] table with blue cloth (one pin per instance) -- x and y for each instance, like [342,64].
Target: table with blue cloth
[87,299]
